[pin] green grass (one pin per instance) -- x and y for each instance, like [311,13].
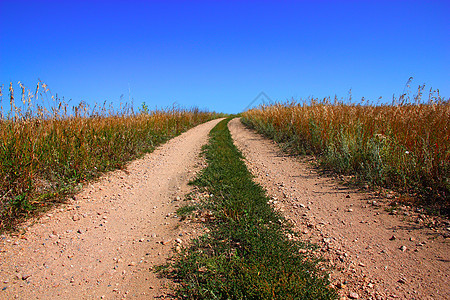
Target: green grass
[246,254]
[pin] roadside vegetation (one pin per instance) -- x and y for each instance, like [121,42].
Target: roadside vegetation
[48,148]
[249,250]
[404,146]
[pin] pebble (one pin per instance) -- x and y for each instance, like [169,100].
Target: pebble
[26,276]
[403,248]
[340,285]
[350,210]
[76,217]
[353,295]
[165,242]
[392,238]
[393,296]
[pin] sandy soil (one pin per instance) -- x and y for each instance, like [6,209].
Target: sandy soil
[104,242]
[374,254]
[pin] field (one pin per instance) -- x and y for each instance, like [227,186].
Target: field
[404,146]
[229,215]
[48,148]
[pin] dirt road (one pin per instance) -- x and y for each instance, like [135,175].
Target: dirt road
[376,255]
[102,244]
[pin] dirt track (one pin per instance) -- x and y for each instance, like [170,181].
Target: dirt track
[104,243]
[354,234]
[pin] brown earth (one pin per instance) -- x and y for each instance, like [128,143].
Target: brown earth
[104,243]
[375,254]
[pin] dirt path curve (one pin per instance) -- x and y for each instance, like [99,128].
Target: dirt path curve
[354,235]
[103,243]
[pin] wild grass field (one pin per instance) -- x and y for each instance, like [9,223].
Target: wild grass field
[48,148]
[404,146]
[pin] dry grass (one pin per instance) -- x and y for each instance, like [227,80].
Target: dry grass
[403,146]
[48,148]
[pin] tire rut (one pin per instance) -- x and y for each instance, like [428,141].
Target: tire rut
[104,242]
[373,254]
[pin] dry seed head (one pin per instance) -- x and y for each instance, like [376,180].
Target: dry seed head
[11,94]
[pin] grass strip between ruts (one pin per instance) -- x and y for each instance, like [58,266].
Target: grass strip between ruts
[246,253]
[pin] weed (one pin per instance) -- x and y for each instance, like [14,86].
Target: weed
[404,146]
[47,148]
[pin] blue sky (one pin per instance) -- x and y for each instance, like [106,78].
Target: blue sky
[221,54]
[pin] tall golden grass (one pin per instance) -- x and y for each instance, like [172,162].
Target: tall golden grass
[48,148]
[403,146]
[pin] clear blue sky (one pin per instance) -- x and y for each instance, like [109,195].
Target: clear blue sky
[221,54]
